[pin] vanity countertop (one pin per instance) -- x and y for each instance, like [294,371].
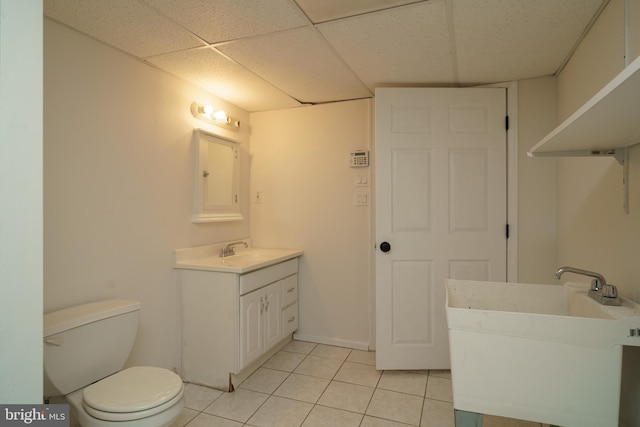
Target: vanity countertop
[244,261]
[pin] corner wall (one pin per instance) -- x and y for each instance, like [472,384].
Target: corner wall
[21,201]
[118,184]
[300,164]
[593,231]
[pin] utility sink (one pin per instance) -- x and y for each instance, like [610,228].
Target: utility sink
[543,353]
[244,260]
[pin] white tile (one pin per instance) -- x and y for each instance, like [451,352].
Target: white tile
[404,382]
[239,405]
[437,414]
[493,421]
[439,389]
[350,397]
[302,387]
[361,356]
[358,373]
[322,416]
[198,397]
[394,406]
[185,416]
[207,420]
[443,373]
[369,421]
[281,412]
[319,367]
[331,352]
[284,361]
[264,380]
[300,347]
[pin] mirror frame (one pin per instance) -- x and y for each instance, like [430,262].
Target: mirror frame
[202,212]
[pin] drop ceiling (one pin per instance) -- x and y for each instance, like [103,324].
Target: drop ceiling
[272,54]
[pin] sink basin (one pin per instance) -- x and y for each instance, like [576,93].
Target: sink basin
[244,261]
[538,352]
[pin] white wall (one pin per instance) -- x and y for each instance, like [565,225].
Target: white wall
[118,165]
[21,201]
[299,161]
[536,183]
[593,230]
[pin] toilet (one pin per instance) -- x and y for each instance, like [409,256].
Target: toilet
[85,349]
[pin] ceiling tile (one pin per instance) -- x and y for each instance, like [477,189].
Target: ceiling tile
[300,63]
[328,10]
[213,72]
[407,45]
[499,40]
[124,24]
[224,20]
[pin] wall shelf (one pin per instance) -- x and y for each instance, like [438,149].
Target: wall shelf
[606,125]
[610,120]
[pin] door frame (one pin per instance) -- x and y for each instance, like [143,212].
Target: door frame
[512,200]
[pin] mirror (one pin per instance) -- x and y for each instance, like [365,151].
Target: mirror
[217,180]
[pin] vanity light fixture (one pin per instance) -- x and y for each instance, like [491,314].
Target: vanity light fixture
[216,117]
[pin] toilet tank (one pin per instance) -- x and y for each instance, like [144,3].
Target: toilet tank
[85,343]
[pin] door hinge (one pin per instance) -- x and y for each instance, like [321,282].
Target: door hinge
[506,122]
[506,230]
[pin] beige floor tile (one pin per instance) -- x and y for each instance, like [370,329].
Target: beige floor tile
[198,397]
[436,413]
[350,397]
[280,412]
[361,356]
[394,406]
[404,382]
[284,361]
[208,420]
[302,387]
[318,367]
[369,421]
[493,421]
[321,416]
[264,380]
[239,405]
[439,388]
[358,373]
[332,352]
[300,347]
[185,416]
[440,373]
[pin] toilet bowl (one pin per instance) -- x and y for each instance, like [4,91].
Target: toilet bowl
[85,348]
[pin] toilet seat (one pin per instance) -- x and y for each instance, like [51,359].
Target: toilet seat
[133,393]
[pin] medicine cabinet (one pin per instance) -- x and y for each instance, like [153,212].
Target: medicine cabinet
[217,179]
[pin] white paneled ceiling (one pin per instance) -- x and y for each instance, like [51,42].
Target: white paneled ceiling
[271,54]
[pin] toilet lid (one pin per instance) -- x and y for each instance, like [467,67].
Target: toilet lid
[133,390]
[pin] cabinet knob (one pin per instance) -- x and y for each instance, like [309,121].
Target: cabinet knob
[291,319]
[291,289]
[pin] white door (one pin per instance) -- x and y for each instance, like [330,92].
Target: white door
[440,212]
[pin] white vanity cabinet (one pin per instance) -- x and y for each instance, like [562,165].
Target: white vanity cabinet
[231,322]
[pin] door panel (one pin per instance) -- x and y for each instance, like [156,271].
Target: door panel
[441,204]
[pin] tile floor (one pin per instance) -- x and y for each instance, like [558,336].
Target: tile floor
[309,385]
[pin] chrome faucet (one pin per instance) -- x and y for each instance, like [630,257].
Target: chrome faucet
[228,250]
[600,290]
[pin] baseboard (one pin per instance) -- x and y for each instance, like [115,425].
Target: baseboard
[332,341]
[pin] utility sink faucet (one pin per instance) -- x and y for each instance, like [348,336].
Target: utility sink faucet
[600,290]
[228,250]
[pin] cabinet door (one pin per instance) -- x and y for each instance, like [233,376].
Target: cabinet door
[272,317]
[251,314]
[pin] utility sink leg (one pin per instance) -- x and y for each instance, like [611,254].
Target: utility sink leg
[467,419]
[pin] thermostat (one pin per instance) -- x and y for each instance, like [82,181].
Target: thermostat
[359,159]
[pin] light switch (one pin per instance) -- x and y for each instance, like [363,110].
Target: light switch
[361,199]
